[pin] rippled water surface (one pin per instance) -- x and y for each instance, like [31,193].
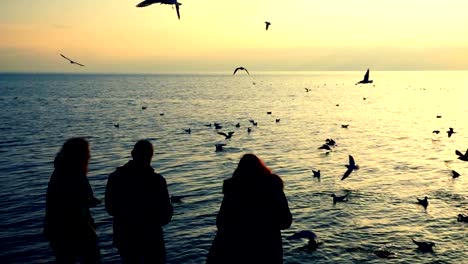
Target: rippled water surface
[389,135]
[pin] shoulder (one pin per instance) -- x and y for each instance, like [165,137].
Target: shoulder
[276,181]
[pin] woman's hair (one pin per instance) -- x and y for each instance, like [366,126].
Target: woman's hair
[251,166]
[74,155]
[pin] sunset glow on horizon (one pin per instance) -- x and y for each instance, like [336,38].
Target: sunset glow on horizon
[115,36]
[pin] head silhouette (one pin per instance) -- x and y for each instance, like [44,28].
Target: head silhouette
[251,166]
[142,152]
[74,155]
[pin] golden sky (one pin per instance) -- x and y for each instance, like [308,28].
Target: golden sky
[115,36]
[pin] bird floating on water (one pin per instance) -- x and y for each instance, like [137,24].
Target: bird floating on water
[424,246]
[351,166]
[424,202]
[72,61]
[219,147]
[238,125]
[277,120]
[267,25]
[313,242]
[366,79]
[117,125]
[316,173]
[166,2]
[461,156]
[337,199]
[241,69]
[462,218]
[188,130]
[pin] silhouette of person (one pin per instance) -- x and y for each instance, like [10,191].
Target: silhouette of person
[68,225]
[253,212]
[138,199]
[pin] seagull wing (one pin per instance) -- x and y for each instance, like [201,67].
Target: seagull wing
[78,64]
[147,3]
[351,162]
[177,9]
[347,173]
[466,153]
[65,57]
[235,71]
[222,133]
[366,76]
[459,153]
[246,71]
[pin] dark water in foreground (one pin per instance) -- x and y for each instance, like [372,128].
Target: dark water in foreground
[389,135]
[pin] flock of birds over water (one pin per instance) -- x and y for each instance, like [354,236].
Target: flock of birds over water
[313,241]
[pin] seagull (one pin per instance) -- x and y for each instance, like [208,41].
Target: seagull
[439,116]
[313,239]
[337,199]
[238,125]
[461,156]
[436,131]
[269,113]
[277,120]
[352,166]
[462,218]
[325,146]
[267,24]
[227,136]
[330,142]
[345,126]
[383,253]
[366,78]
[450,132]
[424,246]
[249,130]
[424,202]
[455,174]
[218,126]
[166,2]
[144,107]
[307,90]
[316,173]
[219,147]
[71,61]
[242,69]
[188,130]
[117,125]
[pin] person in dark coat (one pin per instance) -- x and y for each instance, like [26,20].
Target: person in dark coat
[253,212]
[138,200]
[68,225]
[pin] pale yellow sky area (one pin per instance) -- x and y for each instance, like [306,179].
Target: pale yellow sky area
[115,36]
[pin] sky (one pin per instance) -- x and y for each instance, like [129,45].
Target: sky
[114,36]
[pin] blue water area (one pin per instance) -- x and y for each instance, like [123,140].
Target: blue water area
[389,135]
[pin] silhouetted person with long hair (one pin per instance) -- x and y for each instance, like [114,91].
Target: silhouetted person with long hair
[68,224]
[138,199]
[253,212]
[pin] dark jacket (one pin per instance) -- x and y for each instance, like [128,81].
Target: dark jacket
[138,200]
[249,222]
[69,196]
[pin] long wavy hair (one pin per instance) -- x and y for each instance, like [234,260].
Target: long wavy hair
[251,166]
[74,155]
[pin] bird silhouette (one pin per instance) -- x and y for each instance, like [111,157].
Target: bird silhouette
[450,132]
[325,146]
[316,173]
[424,202]
[439,116]
[166,2]
[238,125]
[383,253]
[366,79]
[227,136]
[219,147]
[330,142]
[117,125]
[455,174]
[462,218]
[461,156]
[71,61]
[267,25]
[345,126]
[313,242]
[307,90]
[337,199]
[436,131]
[241,69]
[351,166]
[249,129]
[277,120]
[188,130]
[424,246]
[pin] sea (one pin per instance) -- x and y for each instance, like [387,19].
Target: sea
[389,135]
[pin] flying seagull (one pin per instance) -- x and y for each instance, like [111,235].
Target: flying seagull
[267,25]
[461,156]
[352,166]
[343,198]
[316,173]
[242,69]
[366,78]
[450,132]
[71,61]
[166,2]
[228,135]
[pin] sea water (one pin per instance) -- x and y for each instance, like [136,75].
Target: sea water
[389,135]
